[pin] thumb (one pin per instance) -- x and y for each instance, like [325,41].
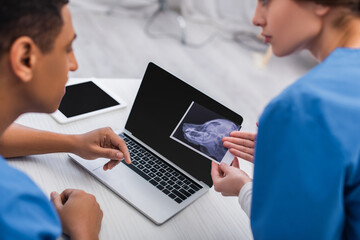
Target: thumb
[225,168]
[110,153]
[56,199]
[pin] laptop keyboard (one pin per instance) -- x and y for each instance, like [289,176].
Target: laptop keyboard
[159,173]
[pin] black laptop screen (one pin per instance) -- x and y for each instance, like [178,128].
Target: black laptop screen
[179,122]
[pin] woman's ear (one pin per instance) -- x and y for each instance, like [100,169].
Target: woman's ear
[23,56]
[321,10]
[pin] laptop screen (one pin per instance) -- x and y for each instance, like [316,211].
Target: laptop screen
[180,122]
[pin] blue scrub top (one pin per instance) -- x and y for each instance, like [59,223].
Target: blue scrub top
[25,212]
[307,159]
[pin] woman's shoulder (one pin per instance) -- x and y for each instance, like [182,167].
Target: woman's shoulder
[335,78]
[341,62]
[328,94]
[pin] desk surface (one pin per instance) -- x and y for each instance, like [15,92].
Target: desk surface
[210,217]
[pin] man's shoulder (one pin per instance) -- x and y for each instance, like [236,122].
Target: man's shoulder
[14,181]
[25,212]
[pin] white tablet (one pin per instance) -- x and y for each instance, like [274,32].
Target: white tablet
[85,98]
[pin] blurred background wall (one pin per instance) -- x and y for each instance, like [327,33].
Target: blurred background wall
[216,51]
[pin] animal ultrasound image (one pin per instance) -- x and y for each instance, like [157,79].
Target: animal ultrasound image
[202,130]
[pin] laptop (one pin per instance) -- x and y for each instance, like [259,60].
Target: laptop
[172,133]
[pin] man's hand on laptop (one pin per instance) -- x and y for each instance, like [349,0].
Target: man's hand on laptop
[102,143]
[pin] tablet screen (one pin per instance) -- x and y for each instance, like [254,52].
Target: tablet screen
[84,98]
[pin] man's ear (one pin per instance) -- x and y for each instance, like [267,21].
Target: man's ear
[23,57]
[321,10]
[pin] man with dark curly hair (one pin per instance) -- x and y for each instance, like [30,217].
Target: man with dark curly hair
[35,57]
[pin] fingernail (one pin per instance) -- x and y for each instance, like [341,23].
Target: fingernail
[53,195]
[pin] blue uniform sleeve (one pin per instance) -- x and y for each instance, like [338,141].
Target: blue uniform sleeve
[298,175]
[25,212]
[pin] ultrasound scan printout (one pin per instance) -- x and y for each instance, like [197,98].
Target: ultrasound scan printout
[202,130]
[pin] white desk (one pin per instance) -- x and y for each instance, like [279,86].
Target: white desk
[210,217]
